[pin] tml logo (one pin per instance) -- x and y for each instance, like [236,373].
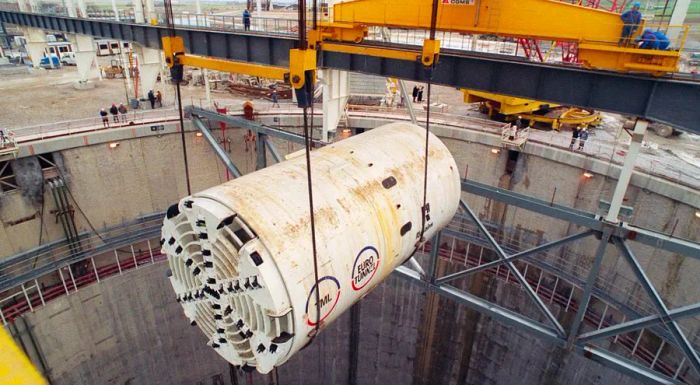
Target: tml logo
[329,295]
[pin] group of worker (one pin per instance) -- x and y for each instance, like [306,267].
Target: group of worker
[155,98]
[579,133]
[649,39]
[417,94]
[118,114]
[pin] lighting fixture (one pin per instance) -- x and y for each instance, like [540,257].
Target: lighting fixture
[495,151]
[588,175]
[114,145]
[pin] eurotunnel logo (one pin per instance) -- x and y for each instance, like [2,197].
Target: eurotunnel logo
[458,2]
[365,267]
[329,295]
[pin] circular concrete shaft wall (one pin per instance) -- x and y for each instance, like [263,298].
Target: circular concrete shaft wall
[240,253]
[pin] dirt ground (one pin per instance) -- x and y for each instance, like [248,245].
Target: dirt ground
[47,96]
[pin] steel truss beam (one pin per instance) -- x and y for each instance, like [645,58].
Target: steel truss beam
[237,121]
[584,219]
[641,323]
[509,317]
[516,256]
[588,289]
[660,99]
[542,264]
[518,275]
[690,354]
[573,340]
[214,143]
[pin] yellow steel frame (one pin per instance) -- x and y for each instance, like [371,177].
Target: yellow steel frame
[509,105]
[15,367]
[596,31]
[512,107]
[567,118]
[300,62]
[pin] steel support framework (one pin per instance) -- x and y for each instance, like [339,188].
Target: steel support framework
[660,99]
[681,340]
[575,341]
[584,219]
[220,152]
[518,275]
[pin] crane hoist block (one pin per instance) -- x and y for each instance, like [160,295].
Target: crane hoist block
[240,253]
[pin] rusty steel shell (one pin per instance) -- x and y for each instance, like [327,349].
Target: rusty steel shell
[240,253]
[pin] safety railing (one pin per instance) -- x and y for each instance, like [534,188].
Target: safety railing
[70,127]
[34,294]
[269,25]
[23,266]
[123,15]
[600,145]
[463,244]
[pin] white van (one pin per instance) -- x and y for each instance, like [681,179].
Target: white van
[68,59]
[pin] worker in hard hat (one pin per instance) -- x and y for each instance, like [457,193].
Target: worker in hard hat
[519,123]
[582,136]
[631,20]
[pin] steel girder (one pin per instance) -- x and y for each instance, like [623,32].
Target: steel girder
[573,340]
[214,143]
[237,121]
[584,219]
[662,99]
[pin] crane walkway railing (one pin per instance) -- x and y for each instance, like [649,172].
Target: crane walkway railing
[86,125]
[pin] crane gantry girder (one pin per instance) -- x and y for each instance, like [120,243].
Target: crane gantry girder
[665,100]
[537,19]
[597,32]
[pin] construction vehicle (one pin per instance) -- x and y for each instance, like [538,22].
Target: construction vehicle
[535,113]
[113,70]
[660,129]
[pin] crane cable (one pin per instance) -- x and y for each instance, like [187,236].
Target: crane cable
[429,76]
[307,151]
[171,31]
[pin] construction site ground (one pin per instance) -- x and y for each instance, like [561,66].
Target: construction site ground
[48,96]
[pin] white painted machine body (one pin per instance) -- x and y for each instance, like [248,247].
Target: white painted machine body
[241,257]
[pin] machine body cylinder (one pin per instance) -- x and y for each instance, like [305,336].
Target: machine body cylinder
[240,253]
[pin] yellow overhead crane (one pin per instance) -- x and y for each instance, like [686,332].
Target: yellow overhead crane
[596,32]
